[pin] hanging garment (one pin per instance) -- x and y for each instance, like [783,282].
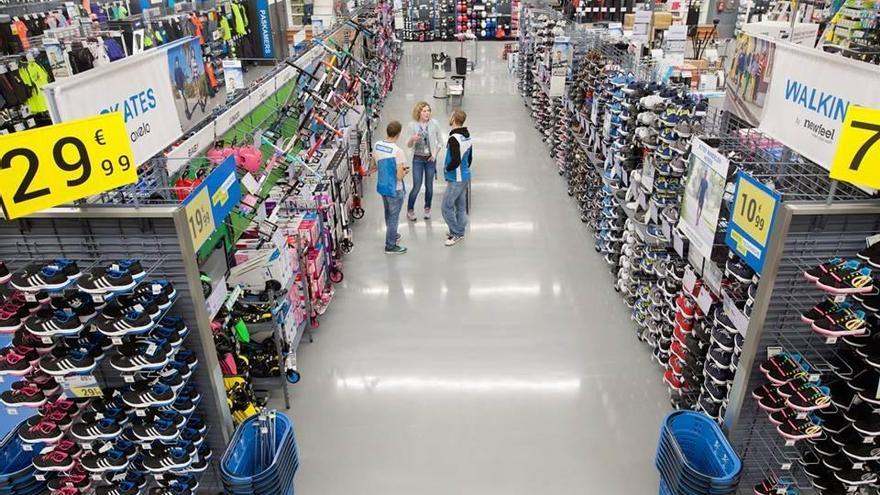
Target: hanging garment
[35,77]
[197,27]
[238,16]
[209,70]
[224,26]
[99,54]
[20,29]
[114,49]
[81,59]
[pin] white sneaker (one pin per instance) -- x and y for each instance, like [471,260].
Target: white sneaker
[411,216]
[427,213]
[452,240]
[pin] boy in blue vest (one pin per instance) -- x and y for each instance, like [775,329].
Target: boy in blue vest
[459,155]
[391,167]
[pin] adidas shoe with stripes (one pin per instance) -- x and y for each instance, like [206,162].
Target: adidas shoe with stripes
[100,462]
[49,324]
[103,429]
[74,361]
[160,460]
[109,281]
[143,356]
[158,395]
[160,429]
[132,322]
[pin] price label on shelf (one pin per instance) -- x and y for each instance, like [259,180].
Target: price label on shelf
[199,218]
[754,208]
[82,386]
[53,165]
[209,204]
[857,158]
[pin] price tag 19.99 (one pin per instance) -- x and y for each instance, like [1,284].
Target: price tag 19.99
[857,158]
[199,218]
[53,165]
[751,221]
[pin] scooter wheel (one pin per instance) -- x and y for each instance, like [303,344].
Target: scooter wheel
[357,212]
[347,246]
[293,376]
[336,276]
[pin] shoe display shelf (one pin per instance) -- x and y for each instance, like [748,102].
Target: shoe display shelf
[430,20]
[591,11]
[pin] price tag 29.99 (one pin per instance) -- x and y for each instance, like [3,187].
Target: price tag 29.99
[199,218]
[53,165]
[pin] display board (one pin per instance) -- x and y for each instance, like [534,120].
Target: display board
[161,93]
[795,95]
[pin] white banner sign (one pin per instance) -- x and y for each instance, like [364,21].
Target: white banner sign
[194,146]
[794,93]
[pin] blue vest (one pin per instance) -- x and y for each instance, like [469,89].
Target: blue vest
[463,172]
[385,155]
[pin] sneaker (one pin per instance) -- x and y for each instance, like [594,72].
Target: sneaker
[851,279]
[809,399]
[856,477]
[108,281]
[397,249]
[15,363]
[823,269]
[841,323]
[157,395]
[49,277]
[427,215]
[159,429]
[117,322]
[50,324]
[144,355]
[823,309]
[103,429]
[411,215]
[452,240]
[799,429]
[65,362]
[100,462]
[43,432]
[160,459]
[122,488]
[27,396]
[54,460]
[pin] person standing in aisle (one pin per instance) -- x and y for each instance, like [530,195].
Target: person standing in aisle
[425,141]
[391,166]
[459,155]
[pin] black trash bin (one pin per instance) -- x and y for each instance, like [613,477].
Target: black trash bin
[461,66]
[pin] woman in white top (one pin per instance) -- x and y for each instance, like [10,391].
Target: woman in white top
[426,141]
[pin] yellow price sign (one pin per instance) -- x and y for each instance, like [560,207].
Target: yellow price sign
[199,218]
[857,159]
[86,392]
[753,210]
[53,165]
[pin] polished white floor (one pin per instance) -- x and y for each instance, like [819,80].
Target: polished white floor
[504,365]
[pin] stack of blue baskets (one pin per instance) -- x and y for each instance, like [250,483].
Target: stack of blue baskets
[244,468]
[17,472]
[695,458]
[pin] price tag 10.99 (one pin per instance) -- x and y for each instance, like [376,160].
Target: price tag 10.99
[754,208]
[57,164]
[857,158]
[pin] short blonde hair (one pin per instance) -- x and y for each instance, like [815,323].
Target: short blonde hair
[417,110]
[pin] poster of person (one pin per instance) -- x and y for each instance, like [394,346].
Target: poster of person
[561,54]
[189,82]
[703,194]
[749,76]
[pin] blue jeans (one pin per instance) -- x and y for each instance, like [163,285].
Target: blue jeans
[392,205]
[455,207]
[428,169]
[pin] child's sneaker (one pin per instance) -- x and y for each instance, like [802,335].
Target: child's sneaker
[395,250]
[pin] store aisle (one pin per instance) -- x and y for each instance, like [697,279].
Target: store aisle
[504,365]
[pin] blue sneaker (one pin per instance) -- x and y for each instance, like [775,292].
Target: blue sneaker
[619,80]
[668,136]
[616,108]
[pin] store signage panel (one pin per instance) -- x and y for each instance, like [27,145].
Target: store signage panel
[703,195]
[161,93]
[857,159]
[232,116]
[264,29]
[753,212]
[192,147]
[210,203]
[53,165]
[793,93]
[262,93]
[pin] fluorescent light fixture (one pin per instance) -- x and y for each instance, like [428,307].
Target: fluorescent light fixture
[475,384]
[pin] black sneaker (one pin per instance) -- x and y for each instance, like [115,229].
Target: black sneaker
[159,429]
[716,373]
[54,276]
[160,458]
[156,396]
[862,452]
[144,355]
[80,304]
[108,281]
[720,357]
[49,324]
[717,392]
[856,477]
[43,432]
[100,462]
[120,488]
[130,322]
[869,425]
[68,361]
[103,429]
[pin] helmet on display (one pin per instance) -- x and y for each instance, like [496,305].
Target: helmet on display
[483,33]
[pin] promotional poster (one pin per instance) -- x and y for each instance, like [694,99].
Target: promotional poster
[703,194]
